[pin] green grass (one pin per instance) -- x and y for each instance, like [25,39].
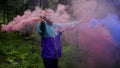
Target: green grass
[17,51]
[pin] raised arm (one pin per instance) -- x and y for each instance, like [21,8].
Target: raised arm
[60,27]
[73,23]
[41,27]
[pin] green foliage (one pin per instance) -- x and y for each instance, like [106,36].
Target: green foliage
[18,51]
[10,9]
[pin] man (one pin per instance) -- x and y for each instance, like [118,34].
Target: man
[50,43]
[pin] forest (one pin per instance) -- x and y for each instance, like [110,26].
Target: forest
[23,51]
[88,45]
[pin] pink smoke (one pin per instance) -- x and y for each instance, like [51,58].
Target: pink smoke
[32,17]
[97,40]
[99,43]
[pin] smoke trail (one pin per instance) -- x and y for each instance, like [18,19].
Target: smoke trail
[97,32]
[88,9]
[32,17]
[98,37]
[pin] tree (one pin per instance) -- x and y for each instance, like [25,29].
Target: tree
[44,4]
[65,2]
[25,7]
[10,8]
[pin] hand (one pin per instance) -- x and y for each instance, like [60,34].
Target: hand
[38,19]
[41,19]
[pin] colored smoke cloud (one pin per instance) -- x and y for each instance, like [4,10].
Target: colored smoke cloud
[32,17]
[98,32]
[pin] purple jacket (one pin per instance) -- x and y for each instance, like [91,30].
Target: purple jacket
[50,40]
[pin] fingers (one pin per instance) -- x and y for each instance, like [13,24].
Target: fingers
[41,19]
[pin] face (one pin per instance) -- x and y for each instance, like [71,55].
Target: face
[48,21]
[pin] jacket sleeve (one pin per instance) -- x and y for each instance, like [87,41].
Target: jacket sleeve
[60,27]
[71,24]
[38,27]
[41,27]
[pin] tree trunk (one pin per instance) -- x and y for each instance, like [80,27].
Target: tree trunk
[4,8]
[25,7]
[65,2]
[37,2]
[44,4]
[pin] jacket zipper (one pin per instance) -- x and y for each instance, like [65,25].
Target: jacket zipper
[56,46]
[55,43]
